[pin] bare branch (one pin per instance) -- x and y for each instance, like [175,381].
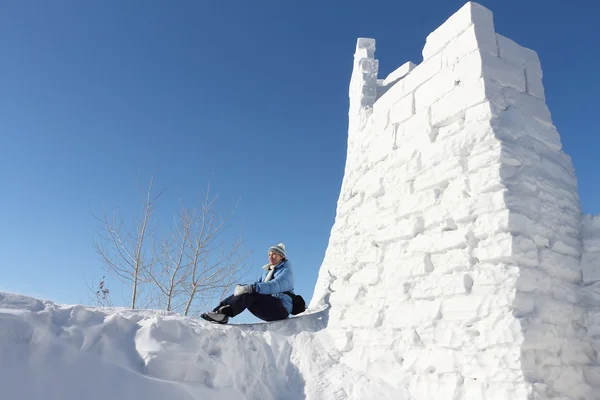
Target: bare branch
[123,253]
[101,293]
[196,262]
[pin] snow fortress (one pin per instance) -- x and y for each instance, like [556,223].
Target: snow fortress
[458,256]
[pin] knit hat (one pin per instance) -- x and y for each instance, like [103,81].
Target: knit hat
[279,249]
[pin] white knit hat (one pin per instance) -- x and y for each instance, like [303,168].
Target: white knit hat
[279,249]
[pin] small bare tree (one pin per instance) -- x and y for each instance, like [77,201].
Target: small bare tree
[198,262]
[101,293]
[170,271]
[195,263]
[125,253]
[215,264]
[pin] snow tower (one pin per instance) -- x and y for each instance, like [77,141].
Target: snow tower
[459,241]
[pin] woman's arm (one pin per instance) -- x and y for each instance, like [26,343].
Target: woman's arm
[282,282]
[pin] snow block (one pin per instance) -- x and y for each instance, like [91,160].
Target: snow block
[508,390]
[434,89]
[399,73]
[370,183]
[486,202]
[492,155]
[495,364]
[537,129]
[402,110]
[590,263]
[555,312]
[371,315]
[475,38]
[537,280]
[401,170]
[464,95]
[494,275]
[440,285]
[348,295]
[381,107]
[535,86]
[418,313]
[435,386]
[363,83]
[369,275]
[414,131]
[560,265]
[438,242]
[403,229]
[562,246]
[481,112]
[380,147]
[438,176]
[505,247]
[518,55]
[528,104]
[413,204]
[502,221]
[470,14]
[485,180]
[590,259]
[443,360]
[469,308]
[350,204]
[451,260]
[397,266]
[448,131]
[422,73]
[416,77]
[479,64]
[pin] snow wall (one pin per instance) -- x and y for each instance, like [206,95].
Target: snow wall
[456,262]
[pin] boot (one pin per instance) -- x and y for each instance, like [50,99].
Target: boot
[220,316]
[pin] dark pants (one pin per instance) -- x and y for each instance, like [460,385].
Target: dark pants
[263,306]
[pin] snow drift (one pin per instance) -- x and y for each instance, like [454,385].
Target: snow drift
[74,352]
[459,265]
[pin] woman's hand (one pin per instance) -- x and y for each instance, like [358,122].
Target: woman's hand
[243,289]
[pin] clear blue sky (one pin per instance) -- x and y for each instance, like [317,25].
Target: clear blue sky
[250,94]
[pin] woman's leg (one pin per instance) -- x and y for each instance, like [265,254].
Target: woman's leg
[263,306]
[268,308]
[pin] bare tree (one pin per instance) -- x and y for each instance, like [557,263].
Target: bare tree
[124,252]
[198,262]
[170,271]
[215,264]
[194,262]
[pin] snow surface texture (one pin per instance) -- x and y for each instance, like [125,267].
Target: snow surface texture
[459,265]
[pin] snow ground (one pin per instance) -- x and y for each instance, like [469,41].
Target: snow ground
[72,352]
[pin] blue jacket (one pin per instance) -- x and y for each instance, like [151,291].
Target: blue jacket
[282,281]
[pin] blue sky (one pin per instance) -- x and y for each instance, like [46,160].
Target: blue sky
[251,95]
